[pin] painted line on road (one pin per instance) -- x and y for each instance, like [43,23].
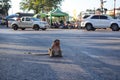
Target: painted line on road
[89,54]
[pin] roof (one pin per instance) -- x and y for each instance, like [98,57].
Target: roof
[58,13]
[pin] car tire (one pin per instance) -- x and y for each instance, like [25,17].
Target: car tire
[22,28]
[15,27]
[36,27]
[89,27]
[44,29]
[115,27]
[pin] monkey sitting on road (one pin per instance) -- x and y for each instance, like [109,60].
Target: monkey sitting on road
[55,50]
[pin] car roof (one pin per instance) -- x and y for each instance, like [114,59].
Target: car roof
[99,15]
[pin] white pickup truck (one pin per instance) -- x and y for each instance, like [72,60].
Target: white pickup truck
[28,22]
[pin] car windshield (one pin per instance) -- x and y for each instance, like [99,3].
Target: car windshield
[35,19]
[86,16]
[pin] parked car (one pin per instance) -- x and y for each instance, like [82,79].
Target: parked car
[93,22]
[46,24]
[28,22]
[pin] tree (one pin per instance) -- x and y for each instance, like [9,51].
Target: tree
[104,10]
[90,11]
[5,7]
[39,5]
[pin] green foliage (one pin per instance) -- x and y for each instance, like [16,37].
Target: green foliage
[39,5]
[5,7]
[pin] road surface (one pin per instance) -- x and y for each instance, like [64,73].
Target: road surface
[87,55]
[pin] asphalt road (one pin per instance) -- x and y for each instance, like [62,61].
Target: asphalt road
[87,55]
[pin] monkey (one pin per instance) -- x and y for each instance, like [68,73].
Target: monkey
[55,50]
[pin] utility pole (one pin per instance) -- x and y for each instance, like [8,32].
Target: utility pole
[114,8]
[101,6]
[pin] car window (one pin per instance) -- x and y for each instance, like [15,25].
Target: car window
[35,19]
[86,16]
[103,17]
[95,17]
[27,19]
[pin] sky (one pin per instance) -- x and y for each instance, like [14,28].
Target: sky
[71,6]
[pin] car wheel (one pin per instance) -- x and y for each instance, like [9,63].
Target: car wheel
[43,28]
[114,27]
[23,28]
[36,27]
[15,27]
[89,27]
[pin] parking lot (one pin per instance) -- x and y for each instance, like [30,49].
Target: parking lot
[87,55]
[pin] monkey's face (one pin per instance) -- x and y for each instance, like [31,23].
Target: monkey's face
[57,43]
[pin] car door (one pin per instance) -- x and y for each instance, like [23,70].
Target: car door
[28,22]
[21,22]
[95,21]
[104,21]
